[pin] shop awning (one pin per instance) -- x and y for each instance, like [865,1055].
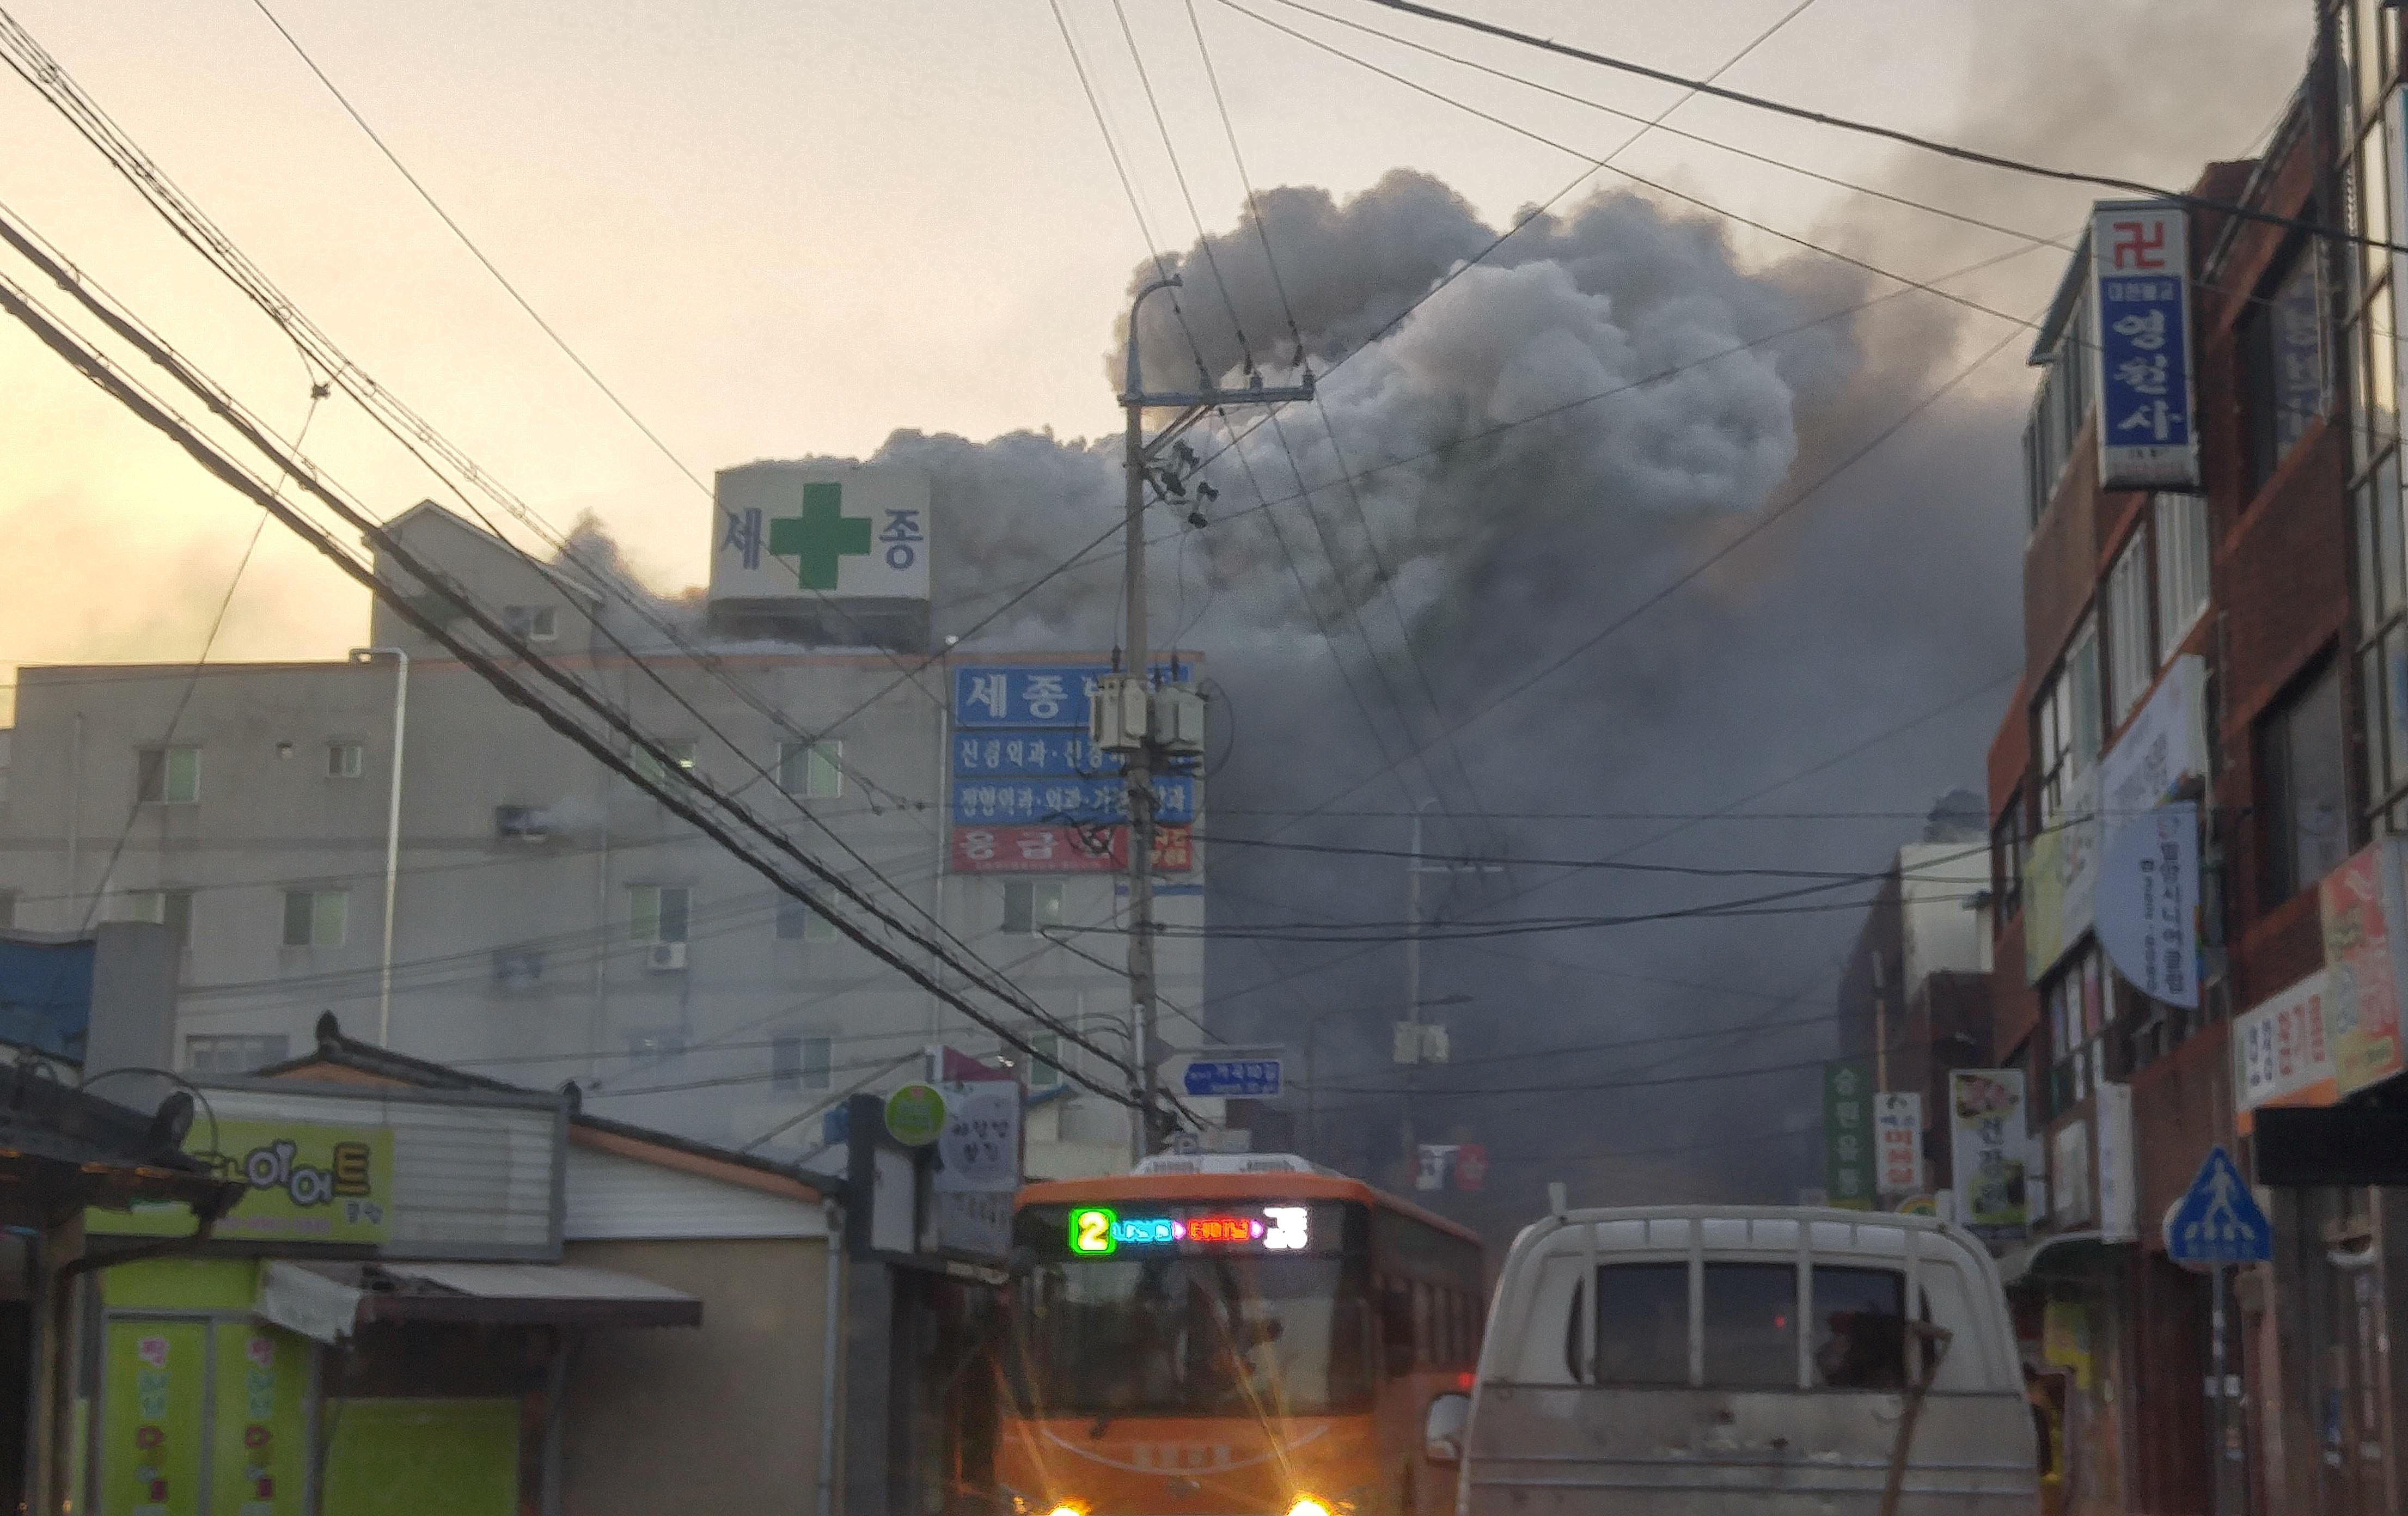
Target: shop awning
[330,1301]
[2062,1247]
[525,1294]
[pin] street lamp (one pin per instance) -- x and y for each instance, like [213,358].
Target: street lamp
[392,828]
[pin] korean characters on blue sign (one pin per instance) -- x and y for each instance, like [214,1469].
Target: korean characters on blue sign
[1029,793]
[2140,329]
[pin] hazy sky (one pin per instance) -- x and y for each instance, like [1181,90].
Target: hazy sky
[791,228]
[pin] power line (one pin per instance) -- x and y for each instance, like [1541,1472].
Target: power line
[1890,133]
[108,377]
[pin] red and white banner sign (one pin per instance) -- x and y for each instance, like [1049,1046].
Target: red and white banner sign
[1898,1143]
[1054,849]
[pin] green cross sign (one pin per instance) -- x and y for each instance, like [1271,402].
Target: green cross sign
[821,538]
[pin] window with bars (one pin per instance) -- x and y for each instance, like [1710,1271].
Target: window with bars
[2365,299]
[235,1052]
[2060,411]
[2178,527]
[316,918]
[2131,629]
[2065,722]
[2304,807]
[2281,365]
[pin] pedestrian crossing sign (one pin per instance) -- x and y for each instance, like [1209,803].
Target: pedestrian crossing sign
[2218,1221]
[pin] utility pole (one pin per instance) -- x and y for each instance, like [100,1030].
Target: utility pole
[1412,1043]
[1126,721]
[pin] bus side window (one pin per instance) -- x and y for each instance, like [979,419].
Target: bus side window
[1425,1328]
[1396,1325]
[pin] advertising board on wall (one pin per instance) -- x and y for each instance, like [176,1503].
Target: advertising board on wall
[1898,1138]
[2061,878]
[2147,902]
[304,1183]
[2366,937]
[1030,794]
[2140,301]
[1989,1140]
[2282,1053]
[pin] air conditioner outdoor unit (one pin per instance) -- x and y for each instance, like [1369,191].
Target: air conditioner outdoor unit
[667,958]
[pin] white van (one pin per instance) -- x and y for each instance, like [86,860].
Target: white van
[1770,1360]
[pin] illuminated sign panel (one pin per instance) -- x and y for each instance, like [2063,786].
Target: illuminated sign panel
[1098,1231]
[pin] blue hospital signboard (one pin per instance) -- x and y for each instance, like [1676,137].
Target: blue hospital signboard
[1030,794]
[1249,1078]
[2140,299]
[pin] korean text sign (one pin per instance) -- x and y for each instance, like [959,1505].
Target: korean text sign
[2359,904]
[1898,1133]
[2282,1052]
[1848,1136]
[2147,903]
[1030,794]
[2139,295]
[1985,1118]
[303,1182]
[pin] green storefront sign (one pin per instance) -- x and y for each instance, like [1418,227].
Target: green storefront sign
[1848,1136]
[153,1415]
[305,1184]
[915,1115]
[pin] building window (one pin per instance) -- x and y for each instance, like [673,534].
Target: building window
[2281,367]
[316,918]
[342,760]
[2077,1030]
[235,1052]
[2065,720]
[2180,524]
[170,908]
[2131,631]
[2306,830]
[680,751]
[1030,905]
[656,1046]
[1045,1068]
[2007,859]
[533,623]
[2060,410]
[812,770]
[168,775]
[800,1062]
[657,913]
[798,923]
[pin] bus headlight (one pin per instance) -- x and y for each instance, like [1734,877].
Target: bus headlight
[1308,1506]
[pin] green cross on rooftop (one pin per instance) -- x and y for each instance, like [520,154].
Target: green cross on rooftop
[821,538]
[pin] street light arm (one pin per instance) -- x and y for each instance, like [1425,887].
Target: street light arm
[1168,281]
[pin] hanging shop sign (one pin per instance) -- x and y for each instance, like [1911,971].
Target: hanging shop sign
[1898,1143]
[303,1182]
[1986,1115]
[2118,1175]
[2141,345]
[796,530]
[2365,943]
[2282,1053]
[1848,1136]
[2147,902]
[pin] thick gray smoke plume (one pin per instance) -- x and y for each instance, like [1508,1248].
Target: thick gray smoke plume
[1559,432]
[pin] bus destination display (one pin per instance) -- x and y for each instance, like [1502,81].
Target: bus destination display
[1098,1231]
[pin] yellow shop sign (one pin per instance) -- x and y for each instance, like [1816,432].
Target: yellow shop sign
[301,1183]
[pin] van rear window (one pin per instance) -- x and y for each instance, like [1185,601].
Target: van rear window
[1751,1323]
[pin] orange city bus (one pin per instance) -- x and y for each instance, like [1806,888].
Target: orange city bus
[1231,1336]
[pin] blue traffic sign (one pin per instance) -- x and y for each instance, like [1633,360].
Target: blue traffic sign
[2218,1221]
[1251,1077]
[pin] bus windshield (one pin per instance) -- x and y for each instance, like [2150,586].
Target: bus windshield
[1198,1336]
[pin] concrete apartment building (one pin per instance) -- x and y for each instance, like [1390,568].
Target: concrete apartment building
[549,920]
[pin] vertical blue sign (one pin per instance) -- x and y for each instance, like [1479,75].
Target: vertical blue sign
[2140,299]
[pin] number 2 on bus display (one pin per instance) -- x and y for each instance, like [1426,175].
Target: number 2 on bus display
[1091,1232]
